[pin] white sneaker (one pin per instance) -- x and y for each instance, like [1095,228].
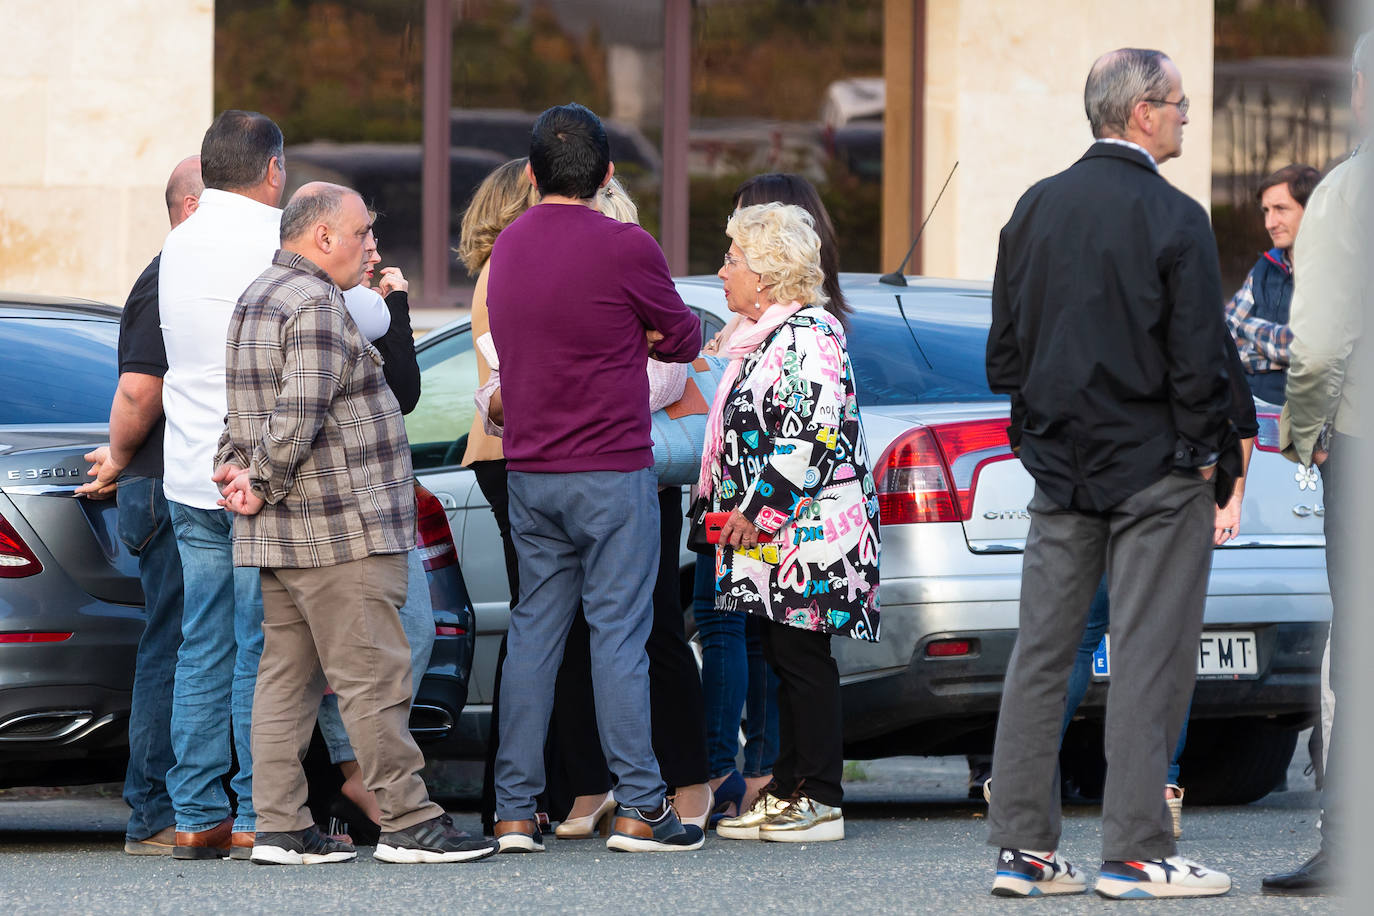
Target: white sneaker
[1171,877]
[1035,874]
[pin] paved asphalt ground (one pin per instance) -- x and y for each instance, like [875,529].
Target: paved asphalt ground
[915,845]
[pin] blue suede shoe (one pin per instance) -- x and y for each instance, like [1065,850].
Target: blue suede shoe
[731,792]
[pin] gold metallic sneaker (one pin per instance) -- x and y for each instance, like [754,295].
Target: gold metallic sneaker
[805,820]
[1175,803]
[746,825]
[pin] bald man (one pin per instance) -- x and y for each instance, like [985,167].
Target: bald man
[132,462]
[326,517]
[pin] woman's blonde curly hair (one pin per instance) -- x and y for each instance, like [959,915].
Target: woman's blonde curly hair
[499,199]
[782,247]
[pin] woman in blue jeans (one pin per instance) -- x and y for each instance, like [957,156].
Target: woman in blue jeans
[734,677]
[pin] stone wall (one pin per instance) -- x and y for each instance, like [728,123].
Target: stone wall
[99,99]
[1004,98]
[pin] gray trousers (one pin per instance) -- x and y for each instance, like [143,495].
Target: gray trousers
[590,536]
[1157,548]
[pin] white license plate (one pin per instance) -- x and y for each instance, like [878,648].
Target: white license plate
[1220,653]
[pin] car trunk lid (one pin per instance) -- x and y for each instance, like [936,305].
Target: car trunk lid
[78,534]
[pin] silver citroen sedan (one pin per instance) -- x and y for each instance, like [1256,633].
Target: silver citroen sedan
[953,501]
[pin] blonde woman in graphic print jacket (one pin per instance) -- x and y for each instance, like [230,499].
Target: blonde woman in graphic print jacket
[785,456]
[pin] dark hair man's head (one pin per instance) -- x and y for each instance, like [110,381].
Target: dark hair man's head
[1283,198]
[569,153]
[330,225]
[242,153]
[1301,180]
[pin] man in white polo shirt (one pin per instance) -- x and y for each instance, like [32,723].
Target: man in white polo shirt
[207,263]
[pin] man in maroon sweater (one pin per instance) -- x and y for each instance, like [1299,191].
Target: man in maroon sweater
[574,299]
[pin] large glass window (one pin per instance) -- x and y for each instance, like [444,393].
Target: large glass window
[788,86]
[1281,95]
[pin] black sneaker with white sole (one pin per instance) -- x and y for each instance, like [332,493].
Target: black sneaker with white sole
[637,830]
[300,847]
[434,840]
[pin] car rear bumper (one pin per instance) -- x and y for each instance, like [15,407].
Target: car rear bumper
[899,699]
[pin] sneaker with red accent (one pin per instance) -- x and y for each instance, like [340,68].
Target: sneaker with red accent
[1022,873]
[1171,877]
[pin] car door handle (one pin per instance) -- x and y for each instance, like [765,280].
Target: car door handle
[447,501]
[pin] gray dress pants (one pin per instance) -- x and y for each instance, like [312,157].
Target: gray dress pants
[1157,549]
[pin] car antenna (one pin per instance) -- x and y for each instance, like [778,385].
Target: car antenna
[897,278]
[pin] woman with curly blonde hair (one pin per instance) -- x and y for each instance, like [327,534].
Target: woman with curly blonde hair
[799,548]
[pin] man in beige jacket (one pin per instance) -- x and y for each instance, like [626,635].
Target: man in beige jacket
[1320,427]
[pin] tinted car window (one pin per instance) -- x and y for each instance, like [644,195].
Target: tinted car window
[927,356]
[57,370]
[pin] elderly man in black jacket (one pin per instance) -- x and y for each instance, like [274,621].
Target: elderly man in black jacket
[1108,334]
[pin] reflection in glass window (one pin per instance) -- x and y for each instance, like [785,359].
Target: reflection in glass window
[438,426]
[57,370]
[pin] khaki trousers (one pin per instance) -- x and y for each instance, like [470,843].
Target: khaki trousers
[336,625]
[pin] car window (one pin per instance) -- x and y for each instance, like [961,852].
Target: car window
[710,325]
[922,358]
[57,370]
[438,426]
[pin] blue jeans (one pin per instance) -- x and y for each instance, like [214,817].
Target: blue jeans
[735,679]
[595,535]
[145,527]
[1082,674]
[417,620]
[217,668]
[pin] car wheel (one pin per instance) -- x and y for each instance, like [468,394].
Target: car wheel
[1235,761]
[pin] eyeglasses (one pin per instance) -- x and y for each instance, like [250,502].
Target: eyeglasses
[1181,104]
[732,261]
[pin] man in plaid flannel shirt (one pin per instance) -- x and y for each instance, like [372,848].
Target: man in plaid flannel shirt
[1258,314]
[315,462]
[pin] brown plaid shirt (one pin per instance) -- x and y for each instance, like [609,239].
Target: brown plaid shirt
[312,418]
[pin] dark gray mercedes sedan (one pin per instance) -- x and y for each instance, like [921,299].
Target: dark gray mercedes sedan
[71,606]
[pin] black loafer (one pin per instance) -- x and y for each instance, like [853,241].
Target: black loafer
[1311,879]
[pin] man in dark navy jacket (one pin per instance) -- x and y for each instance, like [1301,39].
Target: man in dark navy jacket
[1107,333]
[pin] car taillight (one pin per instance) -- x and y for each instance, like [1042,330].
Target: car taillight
[1267,439]
[16,559]
[433,536]
[929,473]
[34,637]
[948,648]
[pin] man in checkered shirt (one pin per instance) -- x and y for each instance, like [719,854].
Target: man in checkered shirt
[315,462]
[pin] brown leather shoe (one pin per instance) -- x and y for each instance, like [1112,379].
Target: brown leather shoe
[205,844]
[159,844]
[241,845]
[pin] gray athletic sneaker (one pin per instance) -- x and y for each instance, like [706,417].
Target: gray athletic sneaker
[434,840]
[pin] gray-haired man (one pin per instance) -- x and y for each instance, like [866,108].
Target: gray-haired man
[314,460]
[1108,335]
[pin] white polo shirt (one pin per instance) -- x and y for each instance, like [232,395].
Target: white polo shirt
[207,263]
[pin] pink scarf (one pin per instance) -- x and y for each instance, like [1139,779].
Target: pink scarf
[746,339]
